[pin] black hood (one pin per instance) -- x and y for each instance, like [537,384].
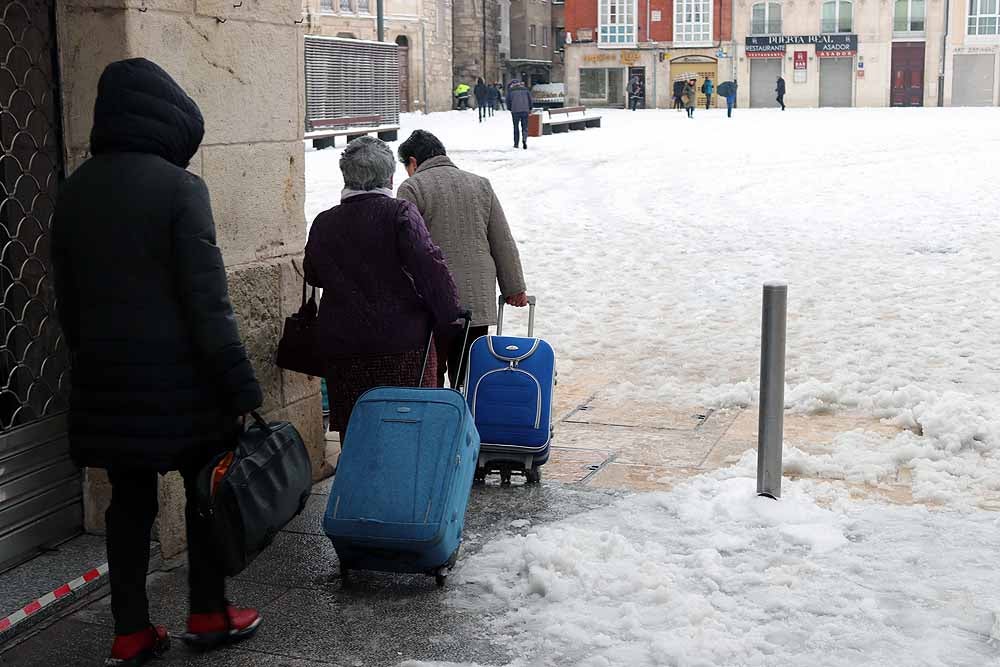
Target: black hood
[141,109]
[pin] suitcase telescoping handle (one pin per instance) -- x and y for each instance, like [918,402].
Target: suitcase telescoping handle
[501,302]
[466,317]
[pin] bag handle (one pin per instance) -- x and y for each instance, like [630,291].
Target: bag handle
[258,420]
[501,302]
[312,297]
[466,316]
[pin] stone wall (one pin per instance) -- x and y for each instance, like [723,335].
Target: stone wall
[467,49]
[252,160]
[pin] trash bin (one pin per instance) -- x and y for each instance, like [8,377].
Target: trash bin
[535,124]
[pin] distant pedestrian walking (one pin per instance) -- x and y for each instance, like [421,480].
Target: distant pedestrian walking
[492,98]
[678,95]
[727,89]
[519,103]
[780,89]
[689,96]
[708,88]
[634,92]
[482,93]
[500,95]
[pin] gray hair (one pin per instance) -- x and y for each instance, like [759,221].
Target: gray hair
[367,164]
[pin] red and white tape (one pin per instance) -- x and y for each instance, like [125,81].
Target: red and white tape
[41,603]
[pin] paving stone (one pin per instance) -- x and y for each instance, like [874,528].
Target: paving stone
[573,465]
[648,415]
[45,573]
[168,599]
[311,519]
[639,477]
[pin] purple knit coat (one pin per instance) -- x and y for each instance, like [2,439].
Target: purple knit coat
[385,283]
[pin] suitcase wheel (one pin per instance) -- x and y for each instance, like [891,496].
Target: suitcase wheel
[480,475]
[441,579]
[505,476]
[533,475]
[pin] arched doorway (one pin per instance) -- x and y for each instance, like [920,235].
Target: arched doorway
[404,72]
[695,67]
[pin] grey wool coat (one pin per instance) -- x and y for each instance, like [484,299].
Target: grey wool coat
[466,221]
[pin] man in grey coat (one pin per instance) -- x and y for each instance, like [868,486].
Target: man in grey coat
[466,221]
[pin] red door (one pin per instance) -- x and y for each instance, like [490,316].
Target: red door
[907,75]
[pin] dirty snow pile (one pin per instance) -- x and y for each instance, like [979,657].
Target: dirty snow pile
[711,575]
[647,241]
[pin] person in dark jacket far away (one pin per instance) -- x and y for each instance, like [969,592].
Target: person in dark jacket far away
[501,98]
[707,87]
[678,95]
[482,93]
[519,103]
[731,87]
[160,375]
[385,284]
[492,97]
[466,219]
[634,92]
[780,90]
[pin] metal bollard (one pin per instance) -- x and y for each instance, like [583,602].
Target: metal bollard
[772,389]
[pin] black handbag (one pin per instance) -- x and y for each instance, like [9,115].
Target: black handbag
[299,349]
[252,492]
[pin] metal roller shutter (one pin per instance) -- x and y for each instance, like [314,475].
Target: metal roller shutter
[40,491]
[972,82]
[763,80]
[350,77]
[836,82]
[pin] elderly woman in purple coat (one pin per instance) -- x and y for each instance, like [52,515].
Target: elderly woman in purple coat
[385,284]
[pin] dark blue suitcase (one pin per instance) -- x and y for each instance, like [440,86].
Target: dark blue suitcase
[403,481]
[509,386]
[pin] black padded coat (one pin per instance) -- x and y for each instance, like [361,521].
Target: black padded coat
[159,371]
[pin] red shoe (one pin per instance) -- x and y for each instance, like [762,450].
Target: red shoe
[138,648]
[208,631]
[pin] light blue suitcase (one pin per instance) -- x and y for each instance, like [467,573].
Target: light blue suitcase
[509,385]
[403,482]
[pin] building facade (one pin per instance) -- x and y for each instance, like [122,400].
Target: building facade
[531,41]
[659,41]
[421,28]
[476,38]
[831,53]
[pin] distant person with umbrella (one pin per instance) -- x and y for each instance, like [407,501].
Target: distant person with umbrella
[728,90]
[690,95]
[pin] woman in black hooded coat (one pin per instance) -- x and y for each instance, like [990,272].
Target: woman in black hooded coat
[160,374]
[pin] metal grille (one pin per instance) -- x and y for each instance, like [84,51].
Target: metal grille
[349,77]
[34,364]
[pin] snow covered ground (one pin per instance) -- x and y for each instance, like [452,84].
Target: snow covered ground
[647,242]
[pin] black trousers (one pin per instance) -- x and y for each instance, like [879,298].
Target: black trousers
[450,354]
[708,101]
[482,110]
[520,127]
[633,103]
[130,518]
[781,101]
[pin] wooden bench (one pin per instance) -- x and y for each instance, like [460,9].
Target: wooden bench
[555,124]
[324,131]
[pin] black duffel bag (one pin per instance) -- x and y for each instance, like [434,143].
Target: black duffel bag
[252,492]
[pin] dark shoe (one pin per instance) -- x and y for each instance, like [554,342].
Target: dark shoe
[208,631]
[525,146]
[138,648]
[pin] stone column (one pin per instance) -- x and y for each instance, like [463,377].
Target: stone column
[244,67]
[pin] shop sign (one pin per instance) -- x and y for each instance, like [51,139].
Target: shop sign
[657,16]
[801,60]
[975,49]
[599,58]
[827,46]
[630,57]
